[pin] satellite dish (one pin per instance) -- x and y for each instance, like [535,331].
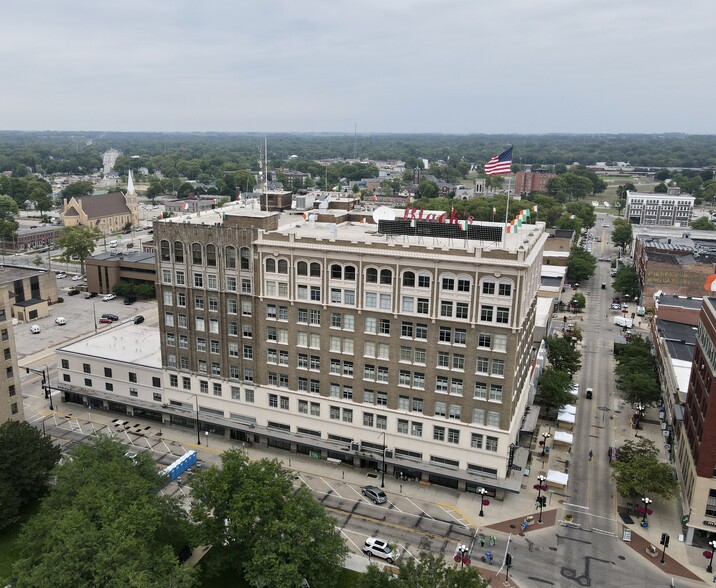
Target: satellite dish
[383,213]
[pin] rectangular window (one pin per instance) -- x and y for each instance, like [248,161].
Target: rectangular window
[423,306]
[476,441]
[498,367]
[493,419]
[503,315]
[491,444]
[505,290]
[453,436]
[500,343]
[461,310]
[440,408]
[460,337]
[458,362]
[480,391]
[486,313]
[488,288]
[441,384]
[421,332]
[445,308]
[495,393]
[478,416]
[483,365]
[402,426]
[484,340]
[439,433]
[406,329]
[454,412]
[445,335]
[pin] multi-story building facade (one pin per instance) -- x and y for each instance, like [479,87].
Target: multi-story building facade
[529,181]
[340,340]
[670,209]
[696,456]
[10,397]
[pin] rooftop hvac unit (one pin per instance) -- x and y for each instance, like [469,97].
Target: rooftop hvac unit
[355,446]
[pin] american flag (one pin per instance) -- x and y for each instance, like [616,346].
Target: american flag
[499,164]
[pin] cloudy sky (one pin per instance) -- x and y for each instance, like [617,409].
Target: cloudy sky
[445,66]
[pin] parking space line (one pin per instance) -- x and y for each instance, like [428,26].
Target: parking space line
[449,509]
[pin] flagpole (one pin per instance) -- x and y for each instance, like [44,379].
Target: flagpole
[507,208]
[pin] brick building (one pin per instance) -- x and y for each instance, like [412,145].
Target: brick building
[528,181]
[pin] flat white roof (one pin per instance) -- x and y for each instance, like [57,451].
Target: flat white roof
[122,343]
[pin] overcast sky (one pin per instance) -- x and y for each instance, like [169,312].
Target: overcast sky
[444,66]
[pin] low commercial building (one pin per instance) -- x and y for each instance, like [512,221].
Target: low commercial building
[103,271]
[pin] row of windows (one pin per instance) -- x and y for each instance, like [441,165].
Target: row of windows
[403,426]
[208,281]
[205,255]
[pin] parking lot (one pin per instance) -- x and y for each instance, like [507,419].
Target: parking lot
[81,316]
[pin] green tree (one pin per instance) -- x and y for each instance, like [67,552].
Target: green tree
[621,233]
[703,224]
[626,281]
[155,189]
[26,459]
[662,175]
[104,524]
[428,189]
[580,265]
[78,241]
[632,449]
[562,356]
[8,224]
[619,205]
[276,535]
[77,189]
[426,571]
[584,211]
[184,190]
[661,188]
[578,302]
[42,200]
[553,389]
[623,189]
[644,475]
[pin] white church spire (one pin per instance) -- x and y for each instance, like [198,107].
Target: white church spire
[130,184]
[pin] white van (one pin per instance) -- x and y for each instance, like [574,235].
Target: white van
[113,243]
[624,322]
[35,329]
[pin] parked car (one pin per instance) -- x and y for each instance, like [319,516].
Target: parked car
[138,320]
[108,297]
[111,317]
[380,548]
[91,295]
[60,320]
[104,320]
[616,306]
[77,278]
[640,311]
[35,329]
[590,393]
[73,292]
[61,275]
[375,494]
[130,300]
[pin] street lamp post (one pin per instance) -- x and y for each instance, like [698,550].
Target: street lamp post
[382,467]
[540,486]
[545,436]
[482,491]
[462,554]
[647,502]
[712,545]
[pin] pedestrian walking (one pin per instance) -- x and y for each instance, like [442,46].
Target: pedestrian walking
[591,455]
[482,541]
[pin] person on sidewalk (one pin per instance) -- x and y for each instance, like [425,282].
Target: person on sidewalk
[591,455]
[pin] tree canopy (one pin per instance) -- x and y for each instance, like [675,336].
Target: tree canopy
[562,356]
[104,524]
[554,389]
[637,372]
[703,224]
[626,281]
[78,241]
[8,224]
[621,233]
[26,459]
[274,534]
[77,189]
[425,571]
[580,265]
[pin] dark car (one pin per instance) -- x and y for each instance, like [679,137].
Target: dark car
[91,295]
[130,300]
[105,320]
[138,320]
[110,317]
[73,292]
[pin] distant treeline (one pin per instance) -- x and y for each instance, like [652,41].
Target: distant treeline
[80,152]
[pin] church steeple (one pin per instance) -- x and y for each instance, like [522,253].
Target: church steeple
[131,199]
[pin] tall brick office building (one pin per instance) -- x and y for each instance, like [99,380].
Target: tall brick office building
[336,339]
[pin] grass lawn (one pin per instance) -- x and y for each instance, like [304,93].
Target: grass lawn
[8,542]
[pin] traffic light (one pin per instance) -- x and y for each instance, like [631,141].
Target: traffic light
[508,560]
[542,501]
[664,540]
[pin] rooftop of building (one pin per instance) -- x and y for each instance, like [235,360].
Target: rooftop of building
[294,225]
[129,256]
[123,343]
[9,273]
[679,338]
[689,302]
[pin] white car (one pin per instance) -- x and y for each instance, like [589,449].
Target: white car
[108,297]
[35,329]
[77,278]
[60,320]
[381,549]
[61,275]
